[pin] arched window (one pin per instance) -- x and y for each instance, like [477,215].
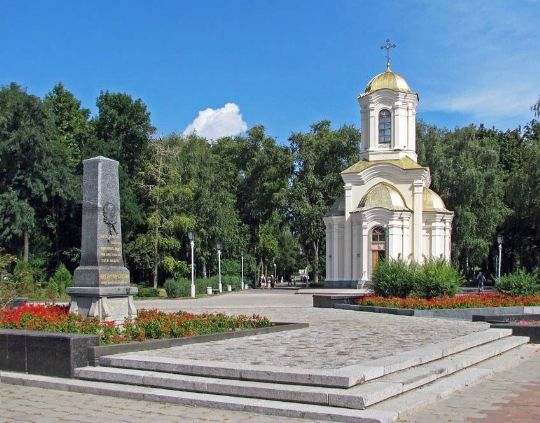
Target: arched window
[378,246]
[385,127]
[378,238]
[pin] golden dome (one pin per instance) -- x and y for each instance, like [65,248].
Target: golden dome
[431,202]
[382,195]
[389,80]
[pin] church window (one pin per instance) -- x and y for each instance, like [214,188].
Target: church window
[378,246]
[385,127]
[378,236]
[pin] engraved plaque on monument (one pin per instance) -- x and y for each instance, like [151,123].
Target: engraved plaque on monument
[101,286]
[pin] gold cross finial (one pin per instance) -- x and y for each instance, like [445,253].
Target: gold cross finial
[388,46]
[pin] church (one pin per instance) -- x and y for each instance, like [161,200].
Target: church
[387,209]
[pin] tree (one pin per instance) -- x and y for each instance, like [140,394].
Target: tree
[319,157]
[256,170]
[33,162]
[121,131]
[166,198]
[522,229]
[123,126]
[214,180]
[467,174]
[71,122]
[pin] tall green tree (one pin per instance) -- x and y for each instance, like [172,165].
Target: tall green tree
[466,172]
[214,178]
[71,121]
[124,128]
[122,131]
[522,229]
[320,155]
[167,221]
[33,162]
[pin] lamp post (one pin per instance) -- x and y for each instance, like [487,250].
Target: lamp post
[242,277]
[500,240]
[219,246]
[191,236]
[275,273]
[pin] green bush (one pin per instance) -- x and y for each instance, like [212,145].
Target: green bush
[23,276]
[145,291]
[393,278]
[181,287]
[62,278]
[518,283]
[435,278]
[52,289]
[177,288]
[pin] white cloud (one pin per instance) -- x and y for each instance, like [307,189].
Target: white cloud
[216,123]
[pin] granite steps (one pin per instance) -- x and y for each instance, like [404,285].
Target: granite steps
[386,378]
[383,412]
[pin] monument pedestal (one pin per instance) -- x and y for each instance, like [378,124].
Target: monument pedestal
[111,304]
[101,288]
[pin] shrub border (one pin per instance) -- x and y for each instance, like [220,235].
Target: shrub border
[94,353]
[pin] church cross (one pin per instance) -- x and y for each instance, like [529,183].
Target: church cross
[388,46]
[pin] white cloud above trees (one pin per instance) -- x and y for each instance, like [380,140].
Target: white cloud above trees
[216,123]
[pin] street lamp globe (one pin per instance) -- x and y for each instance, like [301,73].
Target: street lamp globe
[219,244]
[191,235]
[500,239]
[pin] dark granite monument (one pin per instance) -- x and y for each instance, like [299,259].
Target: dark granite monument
[101,286]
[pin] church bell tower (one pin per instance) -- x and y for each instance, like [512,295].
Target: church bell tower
[388,116]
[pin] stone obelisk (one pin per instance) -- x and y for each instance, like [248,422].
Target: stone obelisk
[101,287]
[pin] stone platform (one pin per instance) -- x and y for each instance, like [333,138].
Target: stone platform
[347,366]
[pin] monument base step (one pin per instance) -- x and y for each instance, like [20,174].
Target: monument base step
[357,397]
[384,412]
[344,377]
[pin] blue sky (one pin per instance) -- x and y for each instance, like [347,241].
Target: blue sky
[282,63]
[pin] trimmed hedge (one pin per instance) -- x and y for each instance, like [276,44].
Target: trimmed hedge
[181,287]
[145,292]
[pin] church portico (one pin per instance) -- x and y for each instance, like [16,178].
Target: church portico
[387,209]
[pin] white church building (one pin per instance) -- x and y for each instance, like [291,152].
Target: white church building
[387,208]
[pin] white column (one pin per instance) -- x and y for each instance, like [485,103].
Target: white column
[405,238]
[448,239]
[329,250]
[373,133]
[335,251]
[411,127]
[347,239]
[395,239]
[418,189]
[364,267]
[355,251]
[437,239]
[397,132]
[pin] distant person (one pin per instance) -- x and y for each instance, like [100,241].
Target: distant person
[480,280]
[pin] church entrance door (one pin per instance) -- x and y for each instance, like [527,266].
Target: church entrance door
[378,246]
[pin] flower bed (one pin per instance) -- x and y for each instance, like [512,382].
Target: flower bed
[149,324]
[462,301]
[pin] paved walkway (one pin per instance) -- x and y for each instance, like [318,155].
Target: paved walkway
[510,397]
[335,338]
[37,405]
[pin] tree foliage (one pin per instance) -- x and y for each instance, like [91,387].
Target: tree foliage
[264,200]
